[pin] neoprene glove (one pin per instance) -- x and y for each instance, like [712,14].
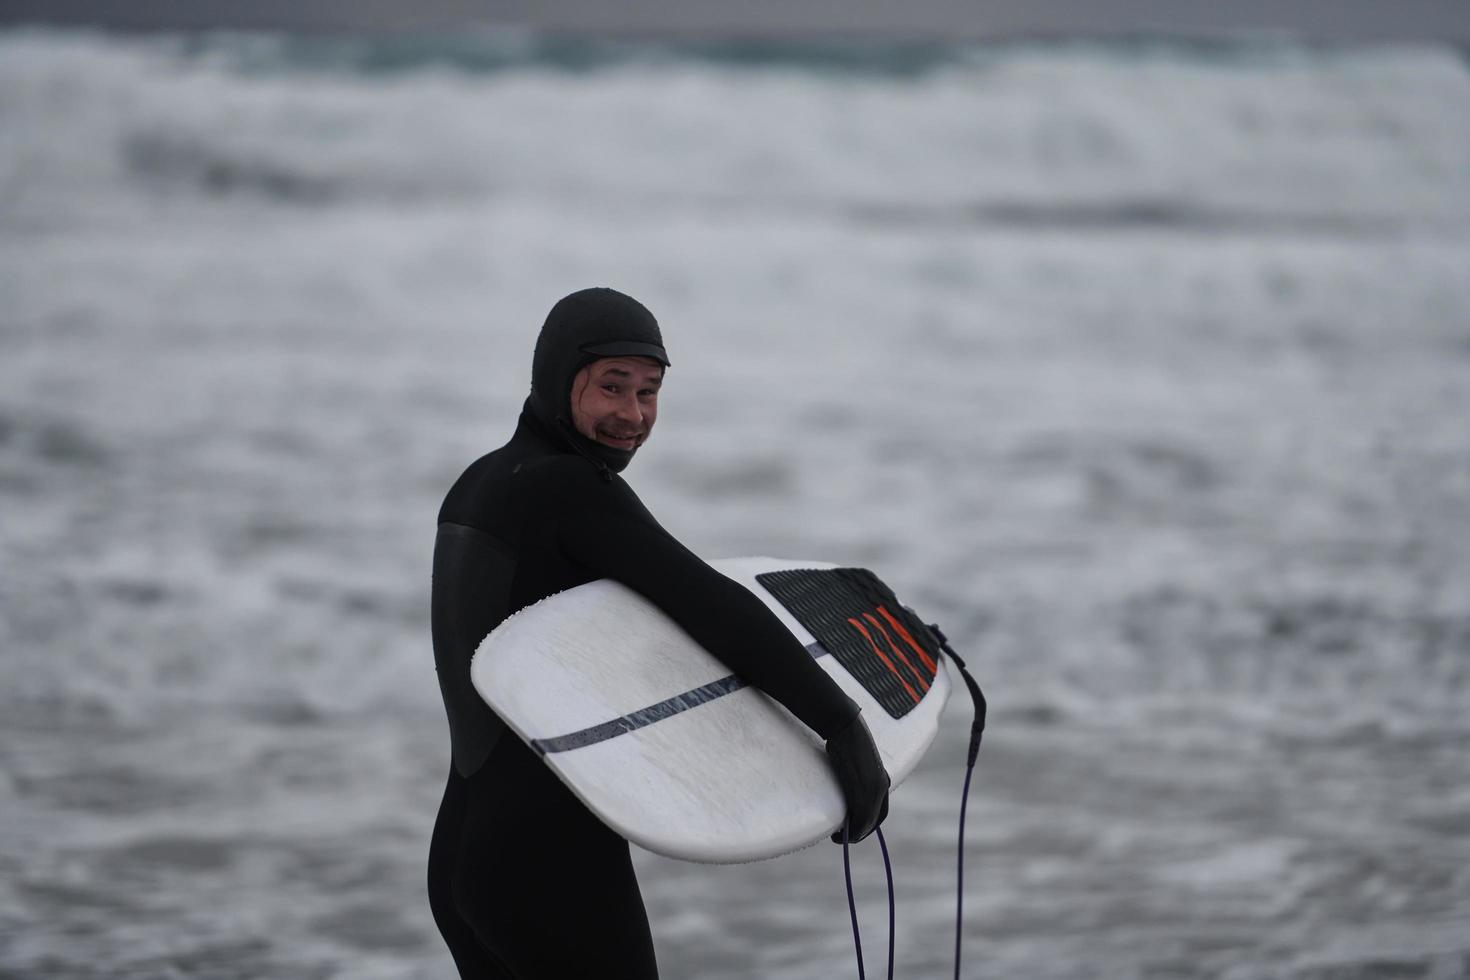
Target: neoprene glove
[863,779]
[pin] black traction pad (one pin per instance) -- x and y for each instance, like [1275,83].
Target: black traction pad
[857,619]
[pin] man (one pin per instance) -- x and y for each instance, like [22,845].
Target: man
[524,881]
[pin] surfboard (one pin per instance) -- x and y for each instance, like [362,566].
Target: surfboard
[673,751]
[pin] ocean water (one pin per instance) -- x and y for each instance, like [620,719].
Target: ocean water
[1142,368]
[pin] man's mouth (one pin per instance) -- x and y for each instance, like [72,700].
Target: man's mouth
[625,443]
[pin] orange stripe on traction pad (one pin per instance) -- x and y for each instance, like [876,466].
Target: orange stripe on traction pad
[886,662]
[923,681]
[927,660]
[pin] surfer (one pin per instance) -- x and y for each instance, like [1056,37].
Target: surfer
[524,881]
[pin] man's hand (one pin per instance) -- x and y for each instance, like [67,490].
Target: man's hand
[862,777]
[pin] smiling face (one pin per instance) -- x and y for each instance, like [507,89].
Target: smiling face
[615,400]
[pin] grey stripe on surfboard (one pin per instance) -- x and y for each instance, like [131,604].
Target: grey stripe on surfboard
[644,717]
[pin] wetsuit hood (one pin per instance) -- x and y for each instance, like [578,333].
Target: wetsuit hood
[582,327]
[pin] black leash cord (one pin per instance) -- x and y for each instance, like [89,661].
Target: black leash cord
[857,940]
[977,730]
[857,937]
[888,870]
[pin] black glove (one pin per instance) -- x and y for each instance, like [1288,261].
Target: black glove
[862,777]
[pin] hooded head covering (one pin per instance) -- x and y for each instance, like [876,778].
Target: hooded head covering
[582,327]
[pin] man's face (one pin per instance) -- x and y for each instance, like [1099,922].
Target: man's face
[615,400]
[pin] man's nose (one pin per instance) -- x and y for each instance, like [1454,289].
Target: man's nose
[630,411]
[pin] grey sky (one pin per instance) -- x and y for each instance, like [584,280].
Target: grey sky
[1331,20]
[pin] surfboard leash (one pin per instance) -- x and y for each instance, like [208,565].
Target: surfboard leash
[857,936]
[857,939]
[888,870]
[977,731]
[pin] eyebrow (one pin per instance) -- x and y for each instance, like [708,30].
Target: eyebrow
[619,372]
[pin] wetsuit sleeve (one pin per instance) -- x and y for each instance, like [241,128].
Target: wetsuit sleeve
[607,530]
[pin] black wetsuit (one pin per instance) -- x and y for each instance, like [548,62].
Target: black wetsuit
[524,881]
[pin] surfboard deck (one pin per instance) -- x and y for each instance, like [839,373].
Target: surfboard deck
[674,752]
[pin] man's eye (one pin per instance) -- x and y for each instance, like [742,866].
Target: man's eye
[610,389]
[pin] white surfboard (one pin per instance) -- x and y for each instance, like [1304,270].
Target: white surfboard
[671,750]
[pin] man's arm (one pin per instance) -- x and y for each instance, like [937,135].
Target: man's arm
[606,529]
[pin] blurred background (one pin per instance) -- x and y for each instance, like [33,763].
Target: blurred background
[1129,341]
